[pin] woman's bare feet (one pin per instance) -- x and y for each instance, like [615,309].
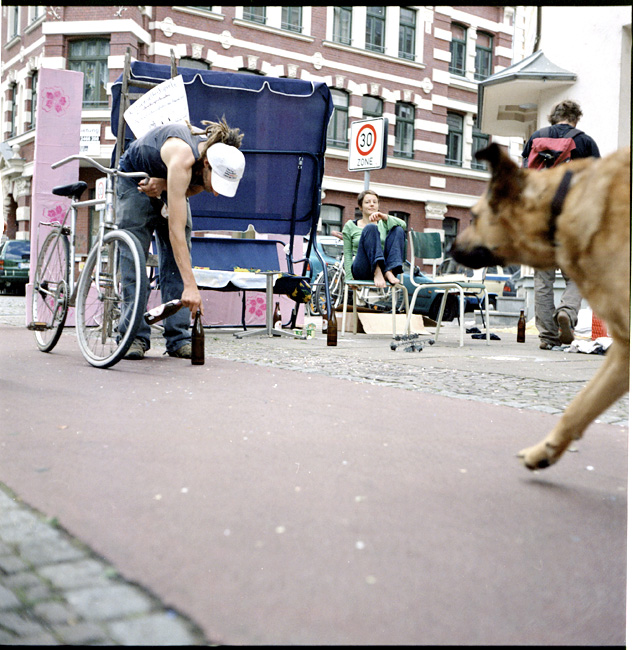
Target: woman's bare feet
[391,278]
[379,278]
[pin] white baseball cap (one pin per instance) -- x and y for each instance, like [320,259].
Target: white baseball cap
[227,168]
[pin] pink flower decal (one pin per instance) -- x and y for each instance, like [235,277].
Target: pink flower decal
[257,306]
[53,99]
[54,214]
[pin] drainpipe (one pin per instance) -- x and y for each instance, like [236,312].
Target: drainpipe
[537,38]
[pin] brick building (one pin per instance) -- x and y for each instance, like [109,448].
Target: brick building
[418,66]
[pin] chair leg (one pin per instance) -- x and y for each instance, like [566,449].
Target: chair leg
[462,319]
[440,315]
[344,309]
[410,305]
[354,312]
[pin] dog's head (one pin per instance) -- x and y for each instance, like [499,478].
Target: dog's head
[495,235]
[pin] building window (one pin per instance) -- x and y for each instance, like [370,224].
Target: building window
[458,50]
[449,225]
[34,78]
[406,39]
[342,25]
[13,116]
[401,215]
[337,128]
[375,29]
[483,56]
[91,58]
[13,22]
[372,107]
[331,219]
[405,119]
[255,14]
[195,64]
[291,18]
[454,139]
[35,12]
[480,141]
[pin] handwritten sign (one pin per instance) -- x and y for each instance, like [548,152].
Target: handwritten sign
[163,104]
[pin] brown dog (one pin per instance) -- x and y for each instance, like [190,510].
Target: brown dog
[529,217]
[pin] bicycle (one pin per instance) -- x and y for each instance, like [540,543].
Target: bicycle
[98,294]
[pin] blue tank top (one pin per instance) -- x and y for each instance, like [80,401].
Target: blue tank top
[143,155]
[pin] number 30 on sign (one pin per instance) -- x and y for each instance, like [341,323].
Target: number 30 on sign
[368,145]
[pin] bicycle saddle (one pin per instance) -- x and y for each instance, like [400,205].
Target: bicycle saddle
[73,190]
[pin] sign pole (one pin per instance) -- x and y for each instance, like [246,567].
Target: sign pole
[366,180]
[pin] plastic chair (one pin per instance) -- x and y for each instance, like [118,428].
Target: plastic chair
[428,245]
[359,285]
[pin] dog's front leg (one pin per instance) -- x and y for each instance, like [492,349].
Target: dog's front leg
[606,386]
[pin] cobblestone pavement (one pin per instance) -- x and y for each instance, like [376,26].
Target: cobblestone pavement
[54,590]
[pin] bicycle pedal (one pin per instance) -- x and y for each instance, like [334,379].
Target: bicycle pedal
[37,326]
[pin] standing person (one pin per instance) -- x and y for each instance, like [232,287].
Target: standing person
[556,325]
[373,244]
[180,163]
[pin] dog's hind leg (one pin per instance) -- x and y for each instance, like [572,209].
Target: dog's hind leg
[606,386]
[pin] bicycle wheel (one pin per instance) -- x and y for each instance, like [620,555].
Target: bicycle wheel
[312,305]
[100,297]
[50,291]
[335,284]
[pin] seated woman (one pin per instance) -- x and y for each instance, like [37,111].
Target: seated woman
[373,245]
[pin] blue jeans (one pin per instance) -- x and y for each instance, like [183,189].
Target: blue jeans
[370,252]
[141,216]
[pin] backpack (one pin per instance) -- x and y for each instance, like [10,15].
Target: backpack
[548,152]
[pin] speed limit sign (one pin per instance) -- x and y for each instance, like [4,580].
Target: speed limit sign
[368,145]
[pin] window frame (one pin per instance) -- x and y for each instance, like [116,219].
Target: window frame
[401,123]
[458,49]
[338,25]
[251,14]
[13,117]
[375,29]
[368,113]
[289,24]
[102,71]
[339,120]
[480,141]
[34,82]
[13,22]
[454,140]
[198,64]
[480,51]
[407,32]
[329,225]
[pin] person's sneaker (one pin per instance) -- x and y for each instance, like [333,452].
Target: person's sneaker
[183,352]
[546,346]
[136,351]
[564,324]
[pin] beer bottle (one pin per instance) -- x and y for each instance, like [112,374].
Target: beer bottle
[332,328]
[197,341]
[277,317]
[162,311]
[521,328]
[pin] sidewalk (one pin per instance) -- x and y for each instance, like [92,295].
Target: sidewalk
[55,590]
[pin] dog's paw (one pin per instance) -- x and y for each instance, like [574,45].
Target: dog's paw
[540,456]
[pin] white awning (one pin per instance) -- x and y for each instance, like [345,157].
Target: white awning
[508,100]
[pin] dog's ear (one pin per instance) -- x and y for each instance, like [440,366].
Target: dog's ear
[507,179]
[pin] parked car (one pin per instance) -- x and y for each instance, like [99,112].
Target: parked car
[330,247]
[15,255]
[510,286]
[495,279]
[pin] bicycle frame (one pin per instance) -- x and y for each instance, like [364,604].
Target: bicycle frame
[106,220]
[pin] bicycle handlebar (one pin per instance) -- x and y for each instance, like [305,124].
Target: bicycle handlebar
[100,167]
